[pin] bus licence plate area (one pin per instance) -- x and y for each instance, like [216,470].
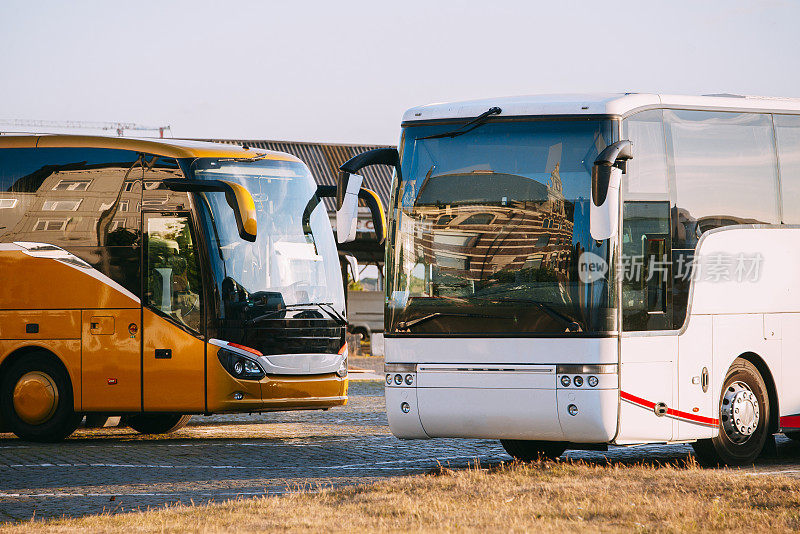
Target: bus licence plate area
[488,401]
[486,376]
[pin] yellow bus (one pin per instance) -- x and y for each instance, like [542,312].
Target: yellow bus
[156,279]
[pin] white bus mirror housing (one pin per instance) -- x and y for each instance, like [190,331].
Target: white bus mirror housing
[354,268]
[347,204]
[606,179]
[604,218]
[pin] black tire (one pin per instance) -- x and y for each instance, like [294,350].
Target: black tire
[61,422]
[362,333]
[723,449]
[531,451]
[157,423]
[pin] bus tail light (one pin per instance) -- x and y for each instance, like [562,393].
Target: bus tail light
[342,371]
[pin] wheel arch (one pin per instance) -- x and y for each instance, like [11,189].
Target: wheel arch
[19,353]
[360,327]
[772,391]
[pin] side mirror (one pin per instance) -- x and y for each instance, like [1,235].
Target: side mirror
[370,198]
[373,202]
[354,268]
[239,199]
[377,156]
[347,206]
[606,178]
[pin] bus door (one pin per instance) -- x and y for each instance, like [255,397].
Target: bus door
[111,352]
[110,338]
[173,353]
[648,361]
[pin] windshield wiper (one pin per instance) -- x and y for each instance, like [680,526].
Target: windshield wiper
[405,325]
[327,307]
[471,125]
[571,325]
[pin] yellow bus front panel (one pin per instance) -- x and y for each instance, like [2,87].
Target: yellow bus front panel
[173,370]
[272,392]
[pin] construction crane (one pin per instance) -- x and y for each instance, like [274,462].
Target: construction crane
[119,127]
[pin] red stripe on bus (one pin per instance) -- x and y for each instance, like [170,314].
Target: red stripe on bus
[790,421]
[699,419]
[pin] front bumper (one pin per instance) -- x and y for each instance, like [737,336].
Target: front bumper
[501,402]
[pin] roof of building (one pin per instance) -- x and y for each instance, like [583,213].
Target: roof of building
[324,160]
[598,104]
[174,148]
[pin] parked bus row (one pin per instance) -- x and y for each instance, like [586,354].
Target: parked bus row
[561,272]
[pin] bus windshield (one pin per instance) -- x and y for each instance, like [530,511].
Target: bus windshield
[489,230]
[293,261]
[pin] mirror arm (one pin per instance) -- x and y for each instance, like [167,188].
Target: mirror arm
[212,186]
[323,191]
[614,153]
[378,156]
[326,191]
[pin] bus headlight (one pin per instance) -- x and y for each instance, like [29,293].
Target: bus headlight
[240,366]
[592,381]
[342,371]
[565,381]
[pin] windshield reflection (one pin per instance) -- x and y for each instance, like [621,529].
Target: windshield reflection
[292,265]
[489,230]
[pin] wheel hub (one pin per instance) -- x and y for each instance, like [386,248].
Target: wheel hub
[35,397]
[739,412]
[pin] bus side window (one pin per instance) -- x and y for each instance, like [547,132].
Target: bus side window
[84,200]
[725,172]
[787,130]
[172,283]
[646,240]
[646,262]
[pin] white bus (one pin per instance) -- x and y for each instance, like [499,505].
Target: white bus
[574,271]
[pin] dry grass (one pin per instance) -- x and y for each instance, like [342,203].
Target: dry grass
[540,497]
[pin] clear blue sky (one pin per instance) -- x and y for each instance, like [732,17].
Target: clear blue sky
[344,71]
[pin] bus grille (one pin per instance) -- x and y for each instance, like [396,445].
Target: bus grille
[290,336]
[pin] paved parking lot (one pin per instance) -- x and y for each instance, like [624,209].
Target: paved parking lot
[225,457]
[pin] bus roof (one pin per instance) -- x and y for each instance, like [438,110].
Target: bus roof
[615,104]
[173,148]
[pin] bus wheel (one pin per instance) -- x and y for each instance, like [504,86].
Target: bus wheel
[530,451]
[743,419]
[362,333]
[36,399]
[157,423]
